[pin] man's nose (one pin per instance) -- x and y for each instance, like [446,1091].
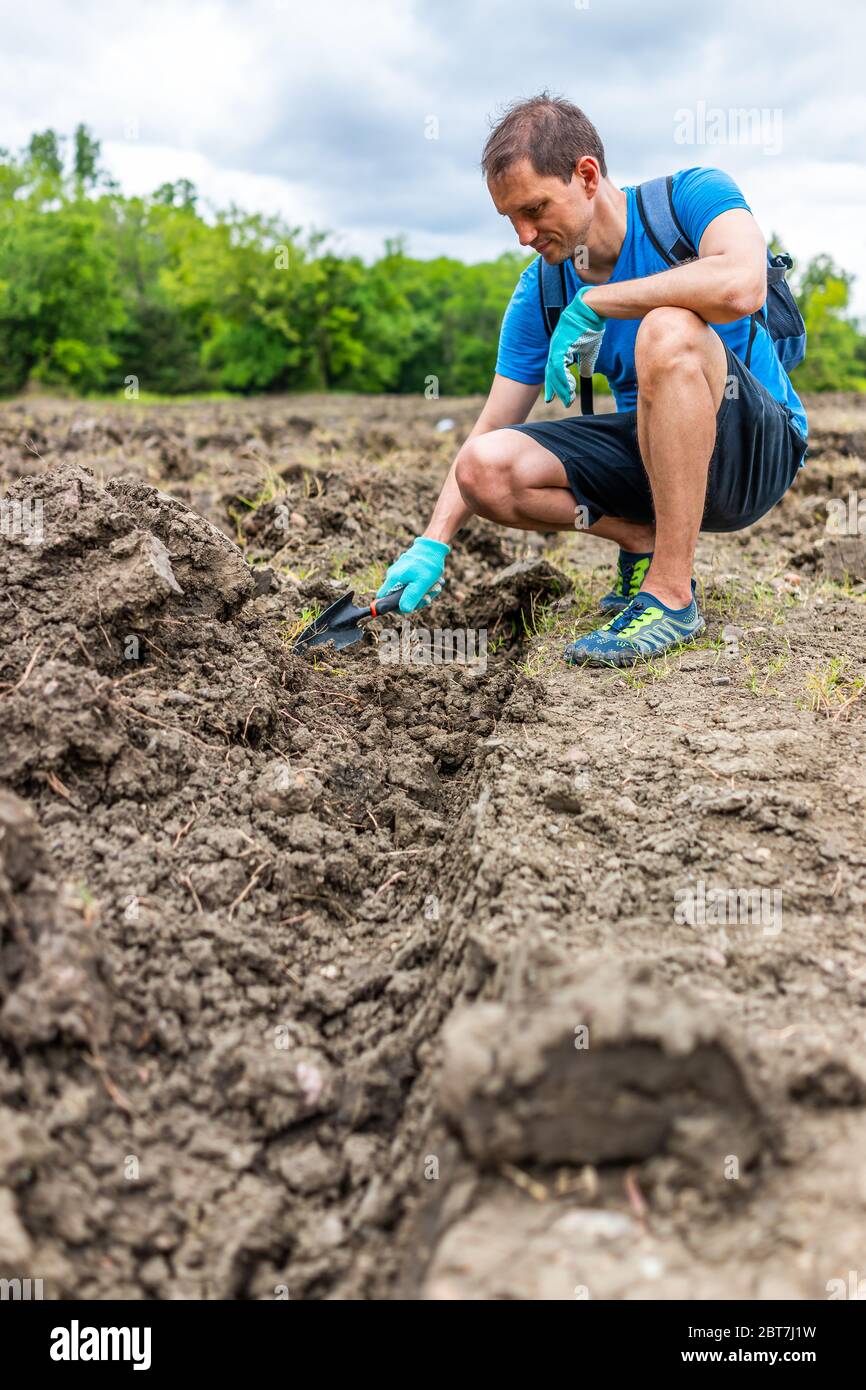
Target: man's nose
[526,233]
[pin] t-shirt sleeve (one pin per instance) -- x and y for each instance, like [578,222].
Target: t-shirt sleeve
[699,195]
[523,343]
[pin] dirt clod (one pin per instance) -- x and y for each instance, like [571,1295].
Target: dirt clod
[605,1070]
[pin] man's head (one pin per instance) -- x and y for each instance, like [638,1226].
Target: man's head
[543,162]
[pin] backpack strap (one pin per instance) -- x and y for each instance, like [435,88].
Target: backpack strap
[552,292]
[655,204]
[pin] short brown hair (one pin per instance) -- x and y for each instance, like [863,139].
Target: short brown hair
[549,131]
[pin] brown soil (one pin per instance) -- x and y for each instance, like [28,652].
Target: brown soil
[336,978]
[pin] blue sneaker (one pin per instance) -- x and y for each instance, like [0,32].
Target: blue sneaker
[630,574]
[646,628]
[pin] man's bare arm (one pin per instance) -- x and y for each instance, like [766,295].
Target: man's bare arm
[728,281]
[508,403]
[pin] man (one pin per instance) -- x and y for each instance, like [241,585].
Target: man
[700,440]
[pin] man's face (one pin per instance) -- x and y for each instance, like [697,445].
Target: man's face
[550,216]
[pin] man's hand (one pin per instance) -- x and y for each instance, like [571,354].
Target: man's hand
[577,335]
[420,568]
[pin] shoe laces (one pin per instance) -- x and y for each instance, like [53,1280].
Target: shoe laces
[627,616]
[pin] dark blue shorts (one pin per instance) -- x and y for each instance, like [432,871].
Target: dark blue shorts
[757,456]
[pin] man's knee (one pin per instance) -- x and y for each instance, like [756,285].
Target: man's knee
[667,336]
[483,468]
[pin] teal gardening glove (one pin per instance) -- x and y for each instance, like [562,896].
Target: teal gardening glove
[420,568]
[577,335]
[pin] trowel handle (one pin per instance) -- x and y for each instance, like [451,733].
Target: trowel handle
[388,603]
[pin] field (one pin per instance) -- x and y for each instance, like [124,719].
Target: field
[347,978]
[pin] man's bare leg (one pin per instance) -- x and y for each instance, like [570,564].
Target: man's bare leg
[681,371]
[508,477]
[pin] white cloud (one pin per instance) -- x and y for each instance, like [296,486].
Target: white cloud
[141,167]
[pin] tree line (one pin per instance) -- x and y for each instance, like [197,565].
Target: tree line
[98,290]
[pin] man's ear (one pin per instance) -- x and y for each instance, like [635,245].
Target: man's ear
[587,171]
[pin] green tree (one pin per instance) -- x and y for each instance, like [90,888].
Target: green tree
[86,157]
[180,194]
[45,155]
[835,357]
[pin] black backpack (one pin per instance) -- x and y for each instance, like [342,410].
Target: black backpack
[782,320]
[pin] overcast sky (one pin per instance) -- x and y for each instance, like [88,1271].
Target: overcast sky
[322,111]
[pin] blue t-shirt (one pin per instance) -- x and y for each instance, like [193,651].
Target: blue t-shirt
[699,195]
